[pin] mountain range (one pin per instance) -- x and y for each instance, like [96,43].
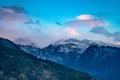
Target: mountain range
[94,57]
[15,64]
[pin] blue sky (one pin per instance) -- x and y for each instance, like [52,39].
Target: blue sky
[52,20]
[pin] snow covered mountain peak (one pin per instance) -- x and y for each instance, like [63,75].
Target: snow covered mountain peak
[62,41]
[70,46]
[82,44]
[78,42]
[72,40]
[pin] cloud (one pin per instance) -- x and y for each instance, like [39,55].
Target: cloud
[85,17]
[72,31]
[86,20]
[116,36]
[24,41]
[14,27]
[22,28]
[58,23]
[13,13]
[103,31]
[15,9]
[117,43]
[33,22]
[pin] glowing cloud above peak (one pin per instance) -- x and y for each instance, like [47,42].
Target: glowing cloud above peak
[86,17]
[87,20]
[71,31]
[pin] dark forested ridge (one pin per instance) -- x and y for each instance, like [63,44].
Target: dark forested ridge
[17,65]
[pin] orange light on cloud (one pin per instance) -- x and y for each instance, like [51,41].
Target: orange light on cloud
[85,17]
[116,43]
[71,31]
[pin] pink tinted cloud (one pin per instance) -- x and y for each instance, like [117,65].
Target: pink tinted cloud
[116,43]
[7,14]
[13,26]
[86,20]
[85,17]
[71,31]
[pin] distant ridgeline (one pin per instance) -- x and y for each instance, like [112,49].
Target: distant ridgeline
[97,58]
